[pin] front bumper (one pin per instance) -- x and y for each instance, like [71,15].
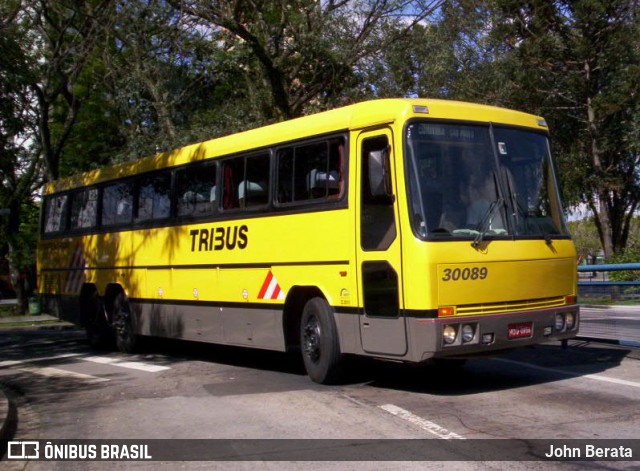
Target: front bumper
[491,332]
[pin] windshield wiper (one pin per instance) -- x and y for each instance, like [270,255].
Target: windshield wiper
[525,214]
[483,227]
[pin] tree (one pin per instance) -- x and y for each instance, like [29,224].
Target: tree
[578,64]
[45,46]
[63,35]
[17,170]
[306,54]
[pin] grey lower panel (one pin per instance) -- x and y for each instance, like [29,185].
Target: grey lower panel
[426,334]
[259,328]
[349,333]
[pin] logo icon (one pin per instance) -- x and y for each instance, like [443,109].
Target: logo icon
[24,450]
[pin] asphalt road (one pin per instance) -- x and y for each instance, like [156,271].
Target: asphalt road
[611,322]
[178,390]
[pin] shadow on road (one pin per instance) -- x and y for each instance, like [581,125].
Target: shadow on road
[519,368]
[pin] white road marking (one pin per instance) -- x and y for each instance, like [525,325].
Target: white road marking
[424,424]
[58,373]
[8,363]
[605,379]
[134,365]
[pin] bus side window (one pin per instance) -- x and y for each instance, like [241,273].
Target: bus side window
[154,200]
[117,204]
[311,168]
[253,191]
[84,208]
[193,187]
[232,176]
[55,213]
[311,171]
[285,175]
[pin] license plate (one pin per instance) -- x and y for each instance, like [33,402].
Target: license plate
[519,331]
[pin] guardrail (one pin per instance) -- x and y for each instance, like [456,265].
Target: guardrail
[604,269]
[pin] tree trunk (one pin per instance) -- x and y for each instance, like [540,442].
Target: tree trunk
[603,213]
[17,280]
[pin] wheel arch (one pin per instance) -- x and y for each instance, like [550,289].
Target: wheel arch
[296,299]
[110,292]
[87,291]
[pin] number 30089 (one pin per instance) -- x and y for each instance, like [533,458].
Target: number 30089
[455,274]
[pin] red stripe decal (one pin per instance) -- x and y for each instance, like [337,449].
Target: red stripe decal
[265,285]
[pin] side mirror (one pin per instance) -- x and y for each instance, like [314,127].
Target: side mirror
[380,174]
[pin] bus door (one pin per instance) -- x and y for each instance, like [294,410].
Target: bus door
[382,325]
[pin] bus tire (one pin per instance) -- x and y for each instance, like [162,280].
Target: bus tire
[126,338]
[94,318]
[319,342]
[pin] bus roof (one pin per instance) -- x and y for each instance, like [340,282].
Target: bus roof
[352,117]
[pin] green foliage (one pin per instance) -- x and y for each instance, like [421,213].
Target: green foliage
[631,255]
[585,237]
[578,64]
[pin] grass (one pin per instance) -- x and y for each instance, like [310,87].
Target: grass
[9,310]
[27,324]
[608,301]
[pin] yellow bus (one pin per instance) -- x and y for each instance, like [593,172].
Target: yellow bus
[402,229]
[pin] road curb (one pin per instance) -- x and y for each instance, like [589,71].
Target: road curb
[39,322]
[59,326]
[4,414]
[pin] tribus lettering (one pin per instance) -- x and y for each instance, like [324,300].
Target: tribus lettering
[218,238]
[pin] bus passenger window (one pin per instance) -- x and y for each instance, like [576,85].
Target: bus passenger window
[253,191]
[311,172]
[117,204]
[193,187]
[232,176]
[154,201]
[55,214]
[285,175]
[245,182]
[84,208]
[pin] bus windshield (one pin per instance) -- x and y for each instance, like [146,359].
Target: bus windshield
[481,182]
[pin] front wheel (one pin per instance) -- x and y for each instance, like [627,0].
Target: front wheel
[126,338]
[319,341]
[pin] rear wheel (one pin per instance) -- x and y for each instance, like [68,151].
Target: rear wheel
[319,342]
[126,338]
[94,318]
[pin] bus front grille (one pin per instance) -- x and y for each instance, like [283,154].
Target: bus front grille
[509,306]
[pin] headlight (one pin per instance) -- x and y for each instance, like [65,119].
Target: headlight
[449,334]
[571,320]
[468,332]
[559,321]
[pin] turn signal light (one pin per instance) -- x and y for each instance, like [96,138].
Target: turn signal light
[447,311]
[570,299]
